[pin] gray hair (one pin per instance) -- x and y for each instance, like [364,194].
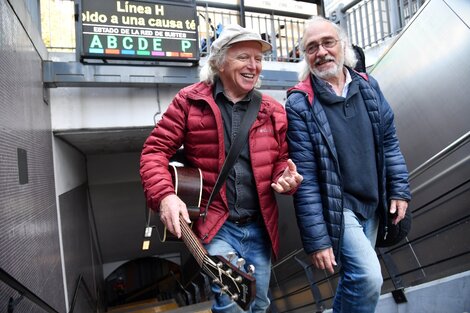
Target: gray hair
[349,55]
[210,69]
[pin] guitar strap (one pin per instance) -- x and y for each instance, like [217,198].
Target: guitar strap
[236,146]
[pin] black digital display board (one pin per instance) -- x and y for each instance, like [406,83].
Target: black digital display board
[142,30]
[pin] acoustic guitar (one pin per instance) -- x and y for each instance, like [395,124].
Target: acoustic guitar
[237,284]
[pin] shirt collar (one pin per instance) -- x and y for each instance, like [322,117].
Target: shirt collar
[347,82]
[219,90]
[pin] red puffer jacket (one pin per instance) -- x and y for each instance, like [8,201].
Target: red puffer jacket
[193,120]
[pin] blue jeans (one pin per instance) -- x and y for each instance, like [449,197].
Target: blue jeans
[361,279]
[252,243]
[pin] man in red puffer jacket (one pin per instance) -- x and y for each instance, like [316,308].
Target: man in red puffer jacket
[204,118]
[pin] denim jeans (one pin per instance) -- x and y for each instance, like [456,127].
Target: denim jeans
[252,243]
[361,279]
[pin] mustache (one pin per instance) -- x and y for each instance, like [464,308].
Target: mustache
[326,58]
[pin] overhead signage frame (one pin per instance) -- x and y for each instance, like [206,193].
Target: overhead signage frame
[142,30]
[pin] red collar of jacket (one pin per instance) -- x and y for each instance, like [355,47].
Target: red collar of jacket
[305,86]
[203,91]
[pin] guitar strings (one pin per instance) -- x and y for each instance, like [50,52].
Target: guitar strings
[200,253]
[193,244]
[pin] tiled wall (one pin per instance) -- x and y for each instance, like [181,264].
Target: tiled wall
[29,240]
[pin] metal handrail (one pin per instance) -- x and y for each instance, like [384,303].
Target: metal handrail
[440,155]
[385,22]
[282,29]
[81,282]
[24,292]
[350,5]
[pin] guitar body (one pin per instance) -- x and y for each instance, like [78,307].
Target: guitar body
[237,284]
[188,186]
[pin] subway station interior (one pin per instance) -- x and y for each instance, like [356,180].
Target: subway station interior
[78,98]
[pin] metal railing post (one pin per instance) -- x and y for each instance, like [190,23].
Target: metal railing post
[319,307]
[242,13]
[343,20]
[273,37]
[395,21]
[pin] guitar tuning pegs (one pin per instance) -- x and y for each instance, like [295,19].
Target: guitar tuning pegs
[231,255]
[234,297]
[251,269]
[240,262]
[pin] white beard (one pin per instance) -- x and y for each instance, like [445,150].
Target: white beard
[333,71]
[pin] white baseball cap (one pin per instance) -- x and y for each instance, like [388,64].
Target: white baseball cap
[234,33]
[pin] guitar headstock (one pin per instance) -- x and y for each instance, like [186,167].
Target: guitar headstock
[238,285]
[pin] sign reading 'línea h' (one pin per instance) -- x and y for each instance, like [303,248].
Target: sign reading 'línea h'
[115,29]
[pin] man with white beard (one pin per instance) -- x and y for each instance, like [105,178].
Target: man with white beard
[343,140]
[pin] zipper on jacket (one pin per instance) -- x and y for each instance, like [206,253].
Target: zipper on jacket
[381,162]
[337,168]
[327,141]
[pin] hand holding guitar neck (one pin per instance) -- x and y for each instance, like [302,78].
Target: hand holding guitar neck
[171,208]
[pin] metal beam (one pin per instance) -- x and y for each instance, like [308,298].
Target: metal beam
[76,74]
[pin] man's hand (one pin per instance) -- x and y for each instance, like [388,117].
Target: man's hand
[324,260]
[171,208]
[398,209]
[289,179]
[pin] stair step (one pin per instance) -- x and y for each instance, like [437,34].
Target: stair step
[146,306]
[203,307]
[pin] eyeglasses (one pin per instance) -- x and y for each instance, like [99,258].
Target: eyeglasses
[314,47]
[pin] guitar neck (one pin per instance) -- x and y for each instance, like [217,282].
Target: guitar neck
[239,286]
[192,243]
